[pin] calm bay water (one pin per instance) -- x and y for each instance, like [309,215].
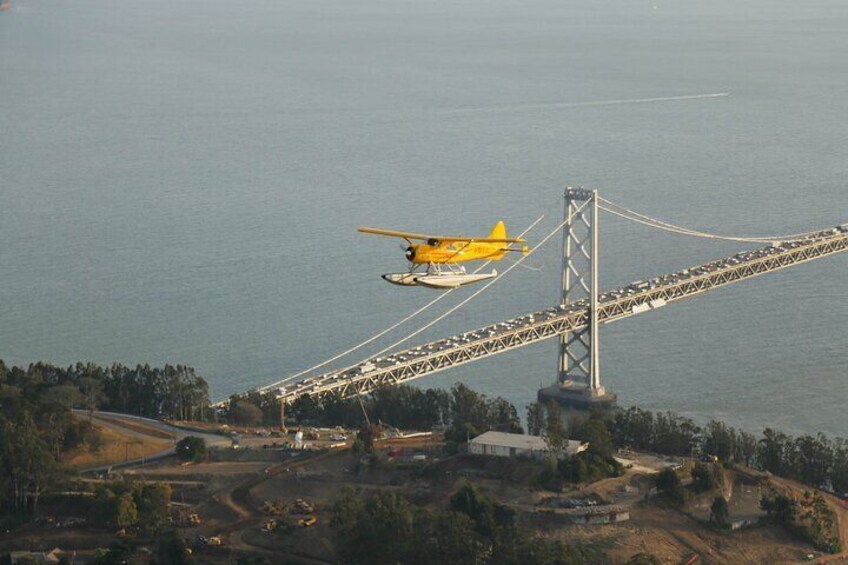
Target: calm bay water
[182,181]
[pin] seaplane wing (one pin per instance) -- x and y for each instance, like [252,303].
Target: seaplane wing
[440,238]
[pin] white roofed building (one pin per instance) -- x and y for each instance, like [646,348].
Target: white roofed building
[500,444]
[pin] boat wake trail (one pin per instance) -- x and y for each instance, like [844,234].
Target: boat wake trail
[557,105]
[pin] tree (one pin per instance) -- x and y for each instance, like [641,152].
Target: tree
[487,514]
[555,433]
[813,460]
[674,435]
[467,405]
[245,413]
[191,448]
[720,440]
[119,553]
[774,452]
[535,419]
[126,511]
[839,469]
[503,416]
[383,535]
[598,436]
[746,448]
[152,501]
[91,389]
[63,395]
[634,427]
[779,508]
[706,477]
[367,434]
[719,513]
[306,408]
[669,484]
[347,509]
[445,538]
[171,550]
[29,467]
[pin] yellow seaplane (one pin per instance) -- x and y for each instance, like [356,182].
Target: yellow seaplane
[435,261]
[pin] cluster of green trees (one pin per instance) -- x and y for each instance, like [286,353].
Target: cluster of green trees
[660,432]
[809,518]
[706,477]
[595,463]
[386,528]
[463,412]
[814,460]
[128,504]
[668,484]
[472,413]
[28,466]
[171,391]
[38,427]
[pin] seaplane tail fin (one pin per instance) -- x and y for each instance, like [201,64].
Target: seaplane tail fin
[498,232]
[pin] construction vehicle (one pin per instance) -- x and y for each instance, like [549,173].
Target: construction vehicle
[270,525]
[302,507]
[274,508]
[307,522]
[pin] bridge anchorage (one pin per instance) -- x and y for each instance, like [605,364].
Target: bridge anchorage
[579,372]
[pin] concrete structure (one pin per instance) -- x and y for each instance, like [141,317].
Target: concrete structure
[500,444]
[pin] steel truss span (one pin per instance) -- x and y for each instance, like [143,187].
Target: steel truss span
[615,305]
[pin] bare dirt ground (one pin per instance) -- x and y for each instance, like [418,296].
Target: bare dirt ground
[654,527]
[228,493]
[672,536]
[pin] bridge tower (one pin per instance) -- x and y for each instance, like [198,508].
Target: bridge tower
[579,373]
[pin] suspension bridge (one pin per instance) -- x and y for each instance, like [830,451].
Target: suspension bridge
[576,320]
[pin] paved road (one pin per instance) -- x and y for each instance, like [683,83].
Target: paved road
[114,419]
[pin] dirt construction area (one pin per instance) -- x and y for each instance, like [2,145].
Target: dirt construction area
[265,500]
[244,497]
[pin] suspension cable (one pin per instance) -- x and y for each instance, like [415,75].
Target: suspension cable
[390,328]
[474,295]
[631,215]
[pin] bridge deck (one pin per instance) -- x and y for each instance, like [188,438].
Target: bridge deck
[636,298]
